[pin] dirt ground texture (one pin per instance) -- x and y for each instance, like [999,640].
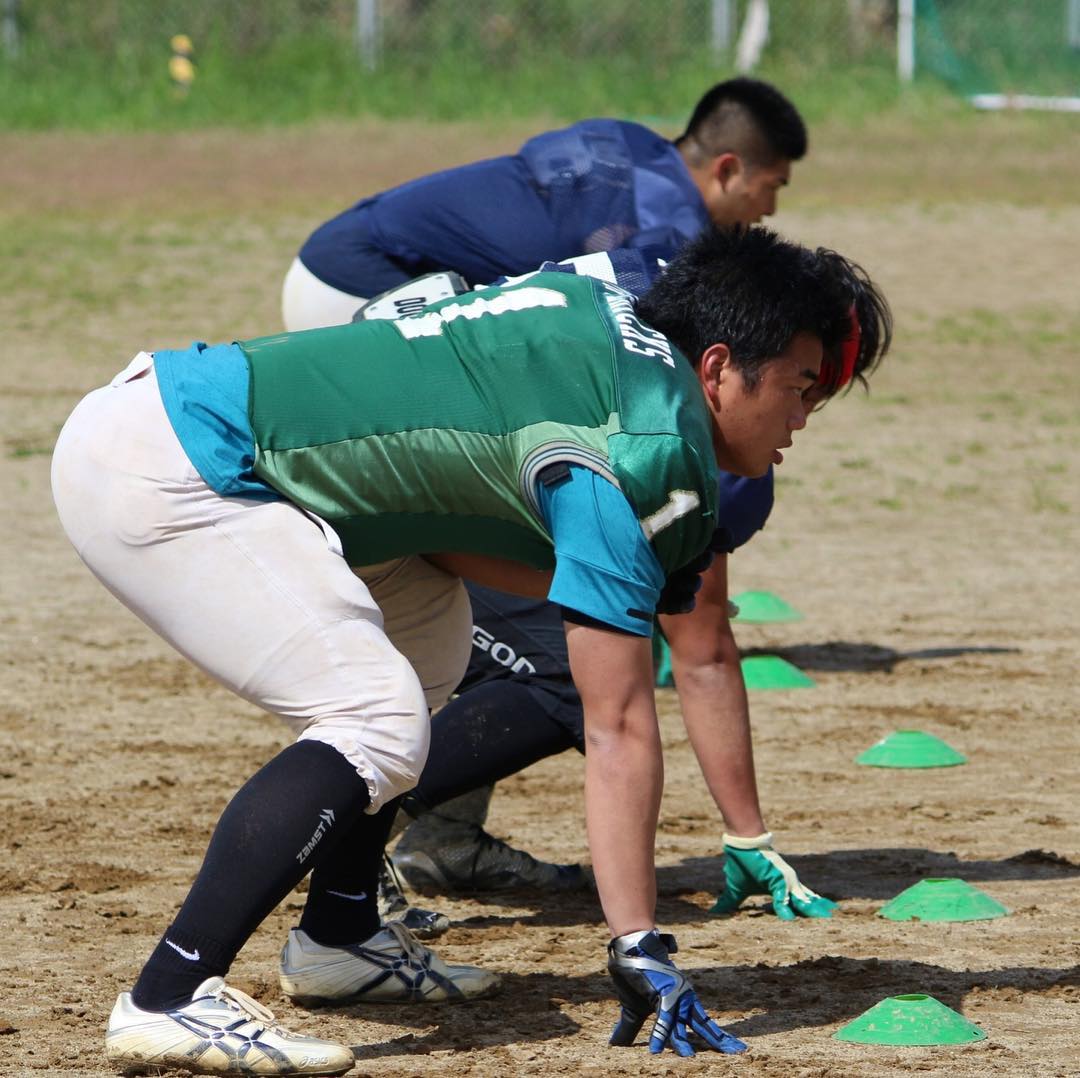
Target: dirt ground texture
[928,532]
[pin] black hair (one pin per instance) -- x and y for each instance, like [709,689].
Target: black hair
[753,291]
[748,117]
[870,310]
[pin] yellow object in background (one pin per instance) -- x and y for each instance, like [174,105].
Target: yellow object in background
[181,66]
[181,70]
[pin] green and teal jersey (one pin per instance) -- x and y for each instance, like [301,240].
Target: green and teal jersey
[427,434]
[436,438]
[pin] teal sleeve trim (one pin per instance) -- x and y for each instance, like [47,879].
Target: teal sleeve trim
[205,393]
[604,565]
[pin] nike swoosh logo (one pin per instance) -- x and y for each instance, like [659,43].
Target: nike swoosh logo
[341,894]
[191,956]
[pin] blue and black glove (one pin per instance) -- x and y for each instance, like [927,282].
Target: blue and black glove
[753,867]
[647,983]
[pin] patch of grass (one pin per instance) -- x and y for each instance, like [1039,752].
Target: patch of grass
[1043,498]
[1057,419]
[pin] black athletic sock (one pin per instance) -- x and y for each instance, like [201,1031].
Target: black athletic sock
[281,823]
[342,904]
[483,735]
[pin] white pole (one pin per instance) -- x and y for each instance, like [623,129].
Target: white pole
[1072,23]
[905,40]
[367,32]
[11,27]
[723,27]
[753,36]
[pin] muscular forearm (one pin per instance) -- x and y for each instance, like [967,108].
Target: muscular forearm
[705,662]
[623,770]
[716,714]
[623,784]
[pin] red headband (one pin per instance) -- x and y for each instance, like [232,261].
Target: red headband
[849,352]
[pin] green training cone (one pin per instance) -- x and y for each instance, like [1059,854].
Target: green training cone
[942,900]
[763,606]
[911,748]
[771,672]
[661,654]
[913,1019]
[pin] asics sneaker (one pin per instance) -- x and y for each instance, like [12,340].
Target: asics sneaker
[394,906]
[390,967]
[436,854]
[221,1031]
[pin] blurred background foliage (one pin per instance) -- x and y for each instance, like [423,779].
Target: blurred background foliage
[105,63]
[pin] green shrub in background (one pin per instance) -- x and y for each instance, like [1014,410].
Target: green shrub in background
[105,64]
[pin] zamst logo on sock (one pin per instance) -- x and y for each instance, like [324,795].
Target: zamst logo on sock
[326,821]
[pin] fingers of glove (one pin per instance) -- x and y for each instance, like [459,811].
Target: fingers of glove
[735,890]
[781,896]
[627,1028]
[719,1040]
[662,1029]
[680,1039]
[816,906]
[726,902]
[800,893]
[782,908]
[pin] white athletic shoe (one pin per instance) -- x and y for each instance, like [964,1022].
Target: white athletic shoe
[390,967]
[221,1031]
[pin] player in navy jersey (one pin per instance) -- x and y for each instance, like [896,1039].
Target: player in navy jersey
[597,185]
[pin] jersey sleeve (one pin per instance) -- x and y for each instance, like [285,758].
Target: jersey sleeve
[743,507]
[605,568]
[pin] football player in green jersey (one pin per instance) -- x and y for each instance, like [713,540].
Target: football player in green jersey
[548,436]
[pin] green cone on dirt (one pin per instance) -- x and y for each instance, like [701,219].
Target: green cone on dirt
[763,606]
[771,672]
[911,748]
[911,1019]
[942,900]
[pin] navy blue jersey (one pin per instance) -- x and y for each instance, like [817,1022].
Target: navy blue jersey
[594,186]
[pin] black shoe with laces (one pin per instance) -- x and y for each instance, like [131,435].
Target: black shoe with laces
[394,906]
[437,854]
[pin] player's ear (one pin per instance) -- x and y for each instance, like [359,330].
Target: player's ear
[714,369]
[725,168]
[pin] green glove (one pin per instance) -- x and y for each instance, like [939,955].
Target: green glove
[753,867]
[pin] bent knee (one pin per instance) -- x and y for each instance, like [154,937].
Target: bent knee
[384,737]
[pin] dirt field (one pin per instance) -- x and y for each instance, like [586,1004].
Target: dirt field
[929,533]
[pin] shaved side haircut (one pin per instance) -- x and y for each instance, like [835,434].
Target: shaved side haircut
[747,117]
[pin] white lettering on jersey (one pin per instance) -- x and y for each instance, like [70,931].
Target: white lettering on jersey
[679,503]
[637,337]
[430,324]
[501,652]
